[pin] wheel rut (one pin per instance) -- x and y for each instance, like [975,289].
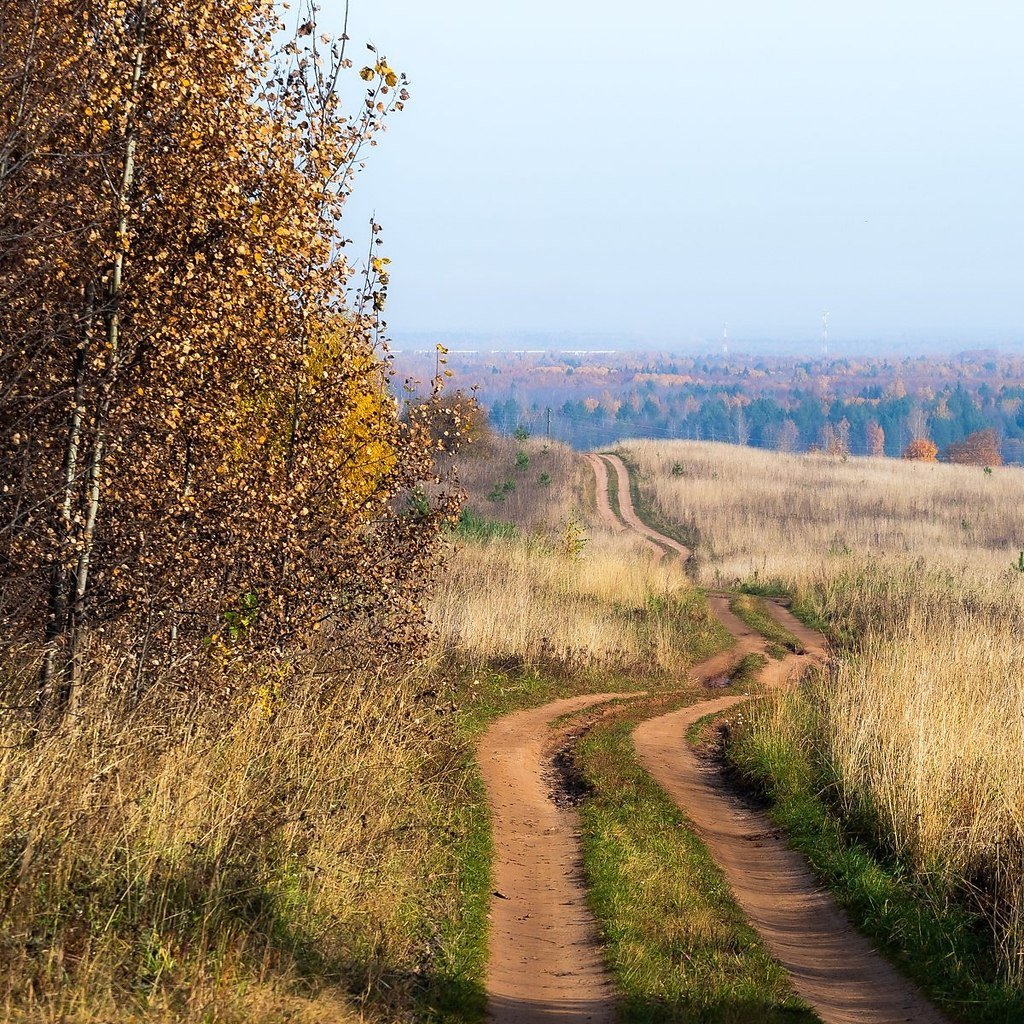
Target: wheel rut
[545,963]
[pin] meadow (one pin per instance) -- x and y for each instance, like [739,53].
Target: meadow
[270,856]
[534,581]
[917,724]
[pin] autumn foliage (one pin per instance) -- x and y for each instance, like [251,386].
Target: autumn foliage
[921,450]
[198,447]
[875,438]
[978,449]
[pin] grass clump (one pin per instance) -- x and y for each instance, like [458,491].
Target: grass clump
[472,526]
[677,944]
[754,613]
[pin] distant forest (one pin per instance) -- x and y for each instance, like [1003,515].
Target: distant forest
[862,406]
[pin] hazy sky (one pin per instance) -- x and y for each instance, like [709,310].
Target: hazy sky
[657,169]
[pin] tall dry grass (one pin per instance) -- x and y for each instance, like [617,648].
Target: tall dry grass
[921,715]
[273,857]
[514,602]
[779,515]
[559,590]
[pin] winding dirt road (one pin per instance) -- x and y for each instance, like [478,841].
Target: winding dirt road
[545,965]
[658,542]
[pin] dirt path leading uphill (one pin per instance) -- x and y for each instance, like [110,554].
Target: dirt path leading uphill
[604,505]
[545,963]
[628,513]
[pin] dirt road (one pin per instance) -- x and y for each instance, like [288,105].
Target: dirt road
[831,965]
[545,962]
[604,506]
[632,520]
[545,965]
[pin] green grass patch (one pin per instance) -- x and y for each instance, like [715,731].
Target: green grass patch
[474,527]
[931,933]
[747,673]
[613,489]
[677,944]
[753,612]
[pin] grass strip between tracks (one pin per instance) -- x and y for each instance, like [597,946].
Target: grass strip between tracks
[678,946]
[752,611]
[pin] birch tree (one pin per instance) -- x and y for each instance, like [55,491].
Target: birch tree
[200,451]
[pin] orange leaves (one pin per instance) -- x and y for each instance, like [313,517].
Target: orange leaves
[978,449]
[921,450]
[387,74]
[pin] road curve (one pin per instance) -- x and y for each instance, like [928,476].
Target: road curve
[629,516]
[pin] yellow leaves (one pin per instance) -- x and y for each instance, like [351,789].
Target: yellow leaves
[387,74]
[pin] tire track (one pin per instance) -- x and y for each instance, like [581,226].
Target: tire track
[545,962]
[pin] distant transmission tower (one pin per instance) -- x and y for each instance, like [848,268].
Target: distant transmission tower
[725,340]
[824,333]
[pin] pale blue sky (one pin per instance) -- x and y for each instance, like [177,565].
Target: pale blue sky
[655,169]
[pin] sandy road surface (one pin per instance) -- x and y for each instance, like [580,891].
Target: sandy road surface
[545,963]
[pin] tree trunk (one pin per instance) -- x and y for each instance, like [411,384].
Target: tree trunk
[57,604]
[71,594]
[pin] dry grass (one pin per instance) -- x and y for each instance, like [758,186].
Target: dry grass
[921,717]
[780,515]
[522,602]
[562,591]
[265,860]
[487,466]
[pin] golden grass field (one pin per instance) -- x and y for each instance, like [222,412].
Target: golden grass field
[922,714]
[561,591]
